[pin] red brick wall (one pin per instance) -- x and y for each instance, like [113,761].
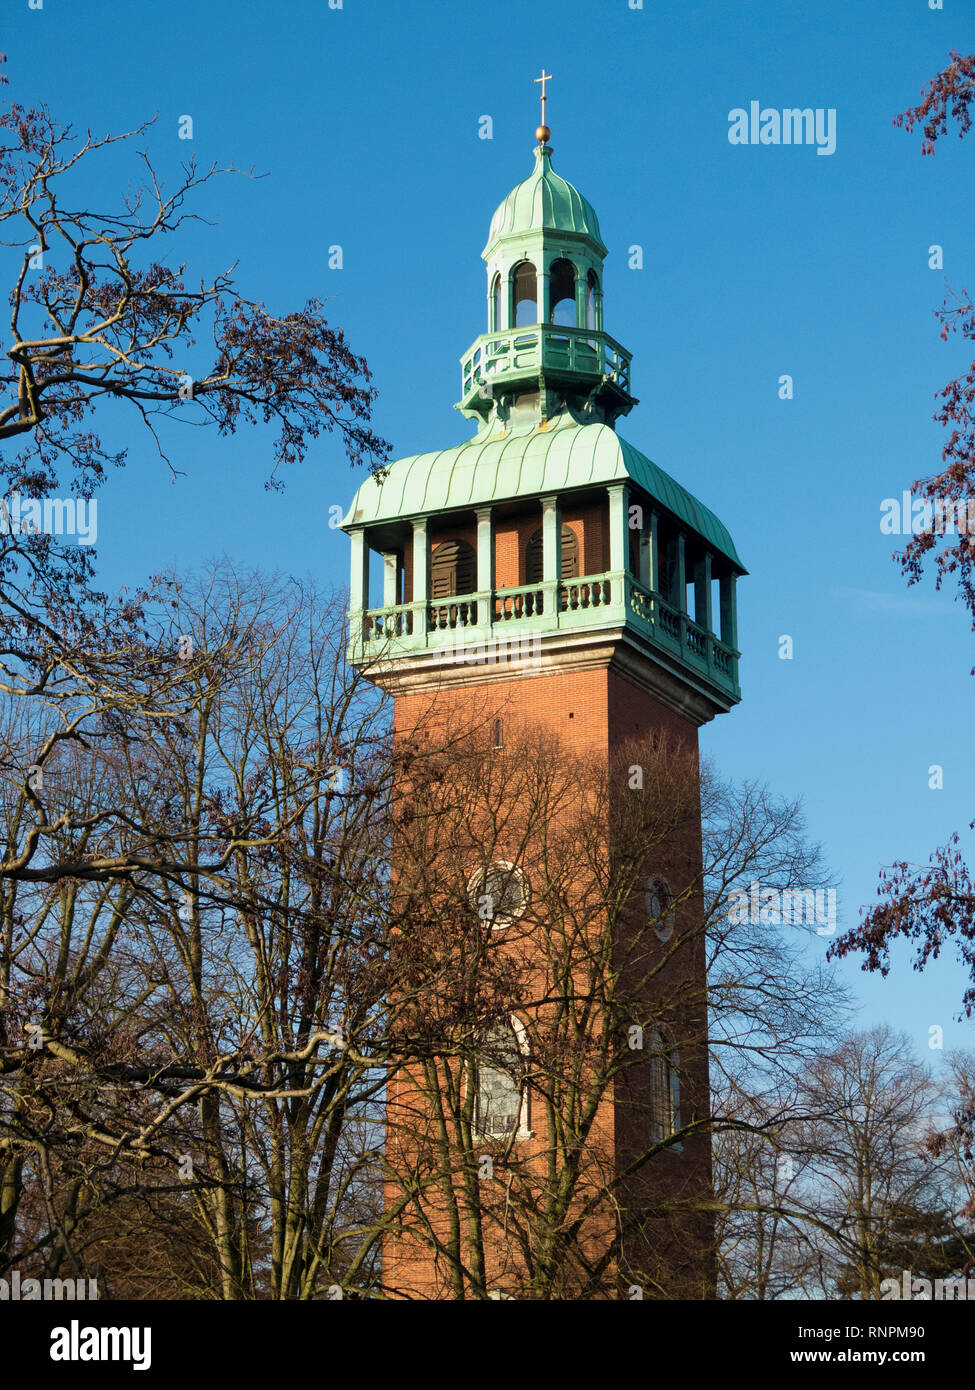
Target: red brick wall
[599,710]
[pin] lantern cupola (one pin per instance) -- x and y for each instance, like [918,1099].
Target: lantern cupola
[545,348]
[545,526]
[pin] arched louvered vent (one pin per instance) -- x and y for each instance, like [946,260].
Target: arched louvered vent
[453,569]
[534,556]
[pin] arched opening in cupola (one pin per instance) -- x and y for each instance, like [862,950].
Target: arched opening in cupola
[592,290]
[494,313]
[524,294]
[562,293]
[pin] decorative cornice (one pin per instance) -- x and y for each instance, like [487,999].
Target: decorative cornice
[556,653]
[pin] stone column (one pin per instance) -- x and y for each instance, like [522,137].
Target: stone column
[485,567]
[390,576]
[619,544]
[619,526]
[680,575]
[702,593]
[729,611]
[648,553]
[421,572]
[551,553]
[359,581]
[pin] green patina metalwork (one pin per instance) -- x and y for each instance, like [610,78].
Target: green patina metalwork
[546,394]
[528,463]
[544,202]
[476,629]
[507,358]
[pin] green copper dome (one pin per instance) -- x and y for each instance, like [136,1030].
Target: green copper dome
[544,202]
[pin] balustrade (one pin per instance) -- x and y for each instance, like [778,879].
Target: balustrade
[411,624]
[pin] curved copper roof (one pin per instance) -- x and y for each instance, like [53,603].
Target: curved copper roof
[544,202]
[530,462]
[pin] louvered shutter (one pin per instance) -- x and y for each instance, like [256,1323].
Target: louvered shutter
[534,556]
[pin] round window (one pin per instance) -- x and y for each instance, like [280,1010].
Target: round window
[499,893]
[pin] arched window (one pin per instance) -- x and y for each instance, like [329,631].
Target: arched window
[524,294]
[499,893]
[592,289]
[562,293]
[659,907]
[501,1105]
[534,556]
[664,1088]
[453,569]
[495,311]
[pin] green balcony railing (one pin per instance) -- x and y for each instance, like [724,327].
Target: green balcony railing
[595,600]
[678,632]
[495,359]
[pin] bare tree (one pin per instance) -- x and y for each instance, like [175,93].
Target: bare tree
[870,1175]
[100,319]
[233,1037]
[533,950]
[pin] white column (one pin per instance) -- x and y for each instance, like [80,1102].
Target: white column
[551,541]
[619,520]
[359,581]
[485,565]
[551,553]
[421,572]
[390,575]
[421,561]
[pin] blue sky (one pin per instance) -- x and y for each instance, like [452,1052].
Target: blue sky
[758,261]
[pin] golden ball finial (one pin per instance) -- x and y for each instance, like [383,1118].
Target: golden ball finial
[543,134]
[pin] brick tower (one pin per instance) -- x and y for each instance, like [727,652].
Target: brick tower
[546,575]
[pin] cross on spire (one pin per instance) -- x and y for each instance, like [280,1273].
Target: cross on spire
[543,132]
